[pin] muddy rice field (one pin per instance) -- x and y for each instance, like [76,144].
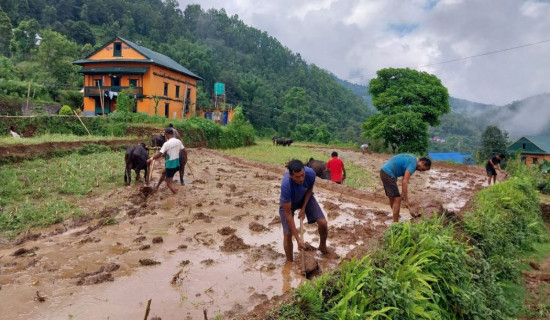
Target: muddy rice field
[213,249]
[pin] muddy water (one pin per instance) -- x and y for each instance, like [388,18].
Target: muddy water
[220,193]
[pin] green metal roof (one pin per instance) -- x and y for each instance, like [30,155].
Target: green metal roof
[533,145]
[152,57]
[117,70]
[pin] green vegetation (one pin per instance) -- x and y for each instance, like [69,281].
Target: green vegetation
[41,192]
[409,101]
[195,131]
[437,269]
[264,151]
[56,137]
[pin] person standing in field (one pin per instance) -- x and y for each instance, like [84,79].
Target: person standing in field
[297,193]
[171,150]
[492,165]
[401,165]
[336,167]
[364,148]
[176,133]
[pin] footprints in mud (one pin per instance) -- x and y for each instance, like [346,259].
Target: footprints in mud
[99,276]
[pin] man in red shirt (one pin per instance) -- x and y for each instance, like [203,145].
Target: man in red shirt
[335,166]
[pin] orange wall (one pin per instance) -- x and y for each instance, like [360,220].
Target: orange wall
[107,52]
[529,158]
[154,81]
[152,84]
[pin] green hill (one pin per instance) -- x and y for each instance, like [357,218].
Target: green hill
[279,91]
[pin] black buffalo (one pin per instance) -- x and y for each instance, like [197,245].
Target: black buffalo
[284,142]
[319,167]
[136,159]
[158,141]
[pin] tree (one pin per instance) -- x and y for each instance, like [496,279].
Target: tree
[296,104]
[409,102]
[24,38]
[5,33]
[56,54]
[493,141]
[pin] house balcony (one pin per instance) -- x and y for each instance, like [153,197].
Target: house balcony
[96,91]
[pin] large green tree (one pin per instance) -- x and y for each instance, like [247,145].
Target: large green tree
[408,102]
[5,33]
[493,141]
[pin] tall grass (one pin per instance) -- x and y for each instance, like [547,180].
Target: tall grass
[264,151]
[42,192]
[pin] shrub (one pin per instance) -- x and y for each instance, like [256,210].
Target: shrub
[65,110]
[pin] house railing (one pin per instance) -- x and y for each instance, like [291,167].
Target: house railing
[95,91]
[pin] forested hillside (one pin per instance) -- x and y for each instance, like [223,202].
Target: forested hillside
[279,91]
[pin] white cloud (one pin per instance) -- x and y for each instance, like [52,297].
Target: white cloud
[355,38]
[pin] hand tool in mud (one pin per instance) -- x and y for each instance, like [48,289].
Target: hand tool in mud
[340,196]
[148,188]
[190,170]
[303,253]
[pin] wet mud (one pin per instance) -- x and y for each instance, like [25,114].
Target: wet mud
[215,246]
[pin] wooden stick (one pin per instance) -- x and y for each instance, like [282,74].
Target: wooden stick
[82,122]
[303,253]
[148,309]
[28,96]
[190,169]
[150,173]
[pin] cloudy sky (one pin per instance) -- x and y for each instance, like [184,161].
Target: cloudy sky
[355,38]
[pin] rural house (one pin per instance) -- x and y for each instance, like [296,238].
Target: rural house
[533,149]
[159,84]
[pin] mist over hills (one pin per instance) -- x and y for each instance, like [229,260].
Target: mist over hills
[529,116]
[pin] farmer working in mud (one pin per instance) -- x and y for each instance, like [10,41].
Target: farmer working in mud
[336,167]
[171,150]
[492,166]
[297,193]
[364,147]
[401,165]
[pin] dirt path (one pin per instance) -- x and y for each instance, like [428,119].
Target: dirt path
[217,245]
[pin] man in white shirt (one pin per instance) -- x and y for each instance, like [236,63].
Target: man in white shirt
[171,150]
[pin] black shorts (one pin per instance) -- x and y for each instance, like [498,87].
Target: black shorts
[490,170]
[390,185]
[171,172]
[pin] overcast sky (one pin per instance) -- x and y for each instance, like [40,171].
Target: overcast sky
[355,38]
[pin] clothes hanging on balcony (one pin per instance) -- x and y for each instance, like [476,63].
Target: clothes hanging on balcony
[111,94]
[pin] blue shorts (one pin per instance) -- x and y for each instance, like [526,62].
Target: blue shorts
[313,213]
[171,172]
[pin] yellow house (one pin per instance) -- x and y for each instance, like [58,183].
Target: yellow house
[160,85]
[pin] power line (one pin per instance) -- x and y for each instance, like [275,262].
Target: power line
[484,54]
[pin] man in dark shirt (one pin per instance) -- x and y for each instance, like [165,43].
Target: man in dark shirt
[297,193]
[492,165]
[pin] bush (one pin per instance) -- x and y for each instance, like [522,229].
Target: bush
[72,98]
[65,111]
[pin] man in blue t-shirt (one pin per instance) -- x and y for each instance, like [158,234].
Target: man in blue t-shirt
[297,193]
[401,165]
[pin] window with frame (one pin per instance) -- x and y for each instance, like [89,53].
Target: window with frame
[117,50]
[535,160]
[177,91]
[523,146]
[165,89]
[98,83]
[133,83]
